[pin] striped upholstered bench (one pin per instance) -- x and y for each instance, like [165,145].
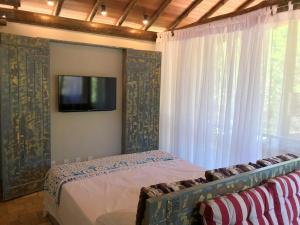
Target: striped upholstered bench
[276,201]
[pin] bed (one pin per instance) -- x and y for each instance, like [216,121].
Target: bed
[106,191]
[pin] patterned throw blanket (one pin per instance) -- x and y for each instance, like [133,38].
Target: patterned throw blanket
[62,174]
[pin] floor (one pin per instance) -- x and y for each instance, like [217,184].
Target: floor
[26,210]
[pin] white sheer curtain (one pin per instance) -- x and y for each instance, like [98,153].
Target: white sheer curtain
[213,86]
[281,123]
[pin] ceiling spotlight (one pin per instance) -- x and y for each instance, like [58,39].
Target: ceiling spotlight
[103,10]
[50,2]
[145,20]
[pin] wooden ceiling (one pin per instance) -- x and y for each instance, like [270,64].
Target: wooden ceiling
[126,15]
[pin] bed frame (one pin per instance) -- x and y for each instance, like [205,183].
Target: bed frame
[180,208]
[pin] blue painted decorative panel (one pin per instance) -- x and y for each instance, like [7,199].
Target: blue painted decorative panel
[24,114]
[141,95]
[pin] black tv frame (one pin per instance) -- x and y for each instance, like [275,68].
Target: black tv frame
[89,110]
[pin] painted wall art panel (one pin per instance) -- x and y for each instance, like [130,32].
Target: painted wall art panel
[25,114]
[141,99]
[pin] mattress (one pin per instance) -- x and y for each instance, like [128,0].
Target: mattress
[84,201]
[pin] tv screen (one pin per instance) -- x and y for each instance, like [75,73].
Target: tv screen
[81,93]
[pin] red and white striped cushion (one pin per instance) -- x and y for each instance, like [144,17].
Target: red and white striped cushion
[254,206]
[286,193]
[262,206]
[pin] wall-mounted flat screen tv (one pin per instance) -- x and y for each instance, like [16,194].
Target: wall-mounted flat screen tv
[82,93]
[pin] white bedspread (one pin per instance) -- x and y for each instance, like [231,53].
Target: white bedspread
[83,201]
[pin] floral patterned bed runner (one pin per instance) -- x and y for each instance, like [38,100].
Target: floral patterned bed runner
[62,174]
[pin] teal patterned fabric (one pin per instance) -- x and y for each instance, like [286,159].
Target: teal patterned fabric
[62,174]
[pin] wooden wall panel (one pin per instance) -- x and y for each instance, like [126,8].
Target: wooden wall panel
[141,95]
[25,114]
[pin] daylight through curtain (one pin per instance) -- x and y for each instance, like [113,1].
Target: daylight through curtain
[230,89]
[281,117]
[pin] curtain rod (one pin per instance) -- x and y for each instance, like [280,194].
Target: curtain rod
[283,6]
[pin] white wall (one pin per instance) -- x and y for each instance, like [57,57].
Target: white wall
[84,134]
[74,36]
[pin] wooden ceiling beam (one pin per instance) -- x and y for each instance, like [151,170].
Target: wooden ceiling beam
[94,11]
[14,3]
[184,14]
[158,12]
[214,9]
[58,7]
[244,5]
[263,4]
[127,10]
[19,16]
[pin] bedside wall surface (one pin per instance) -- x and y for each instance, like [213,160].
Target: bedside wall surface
[83,134]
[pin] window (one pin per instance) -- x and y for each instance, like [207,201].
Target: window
[281,119]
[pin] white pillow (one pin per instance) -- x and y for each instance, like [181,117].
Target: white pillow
[120,217]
